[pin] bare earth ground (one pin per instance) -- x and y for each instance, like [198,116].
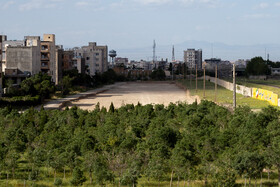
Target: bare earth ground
[132,93]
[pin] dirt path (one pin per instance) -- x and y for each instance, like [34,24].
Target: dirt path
[60,103]
[134,92]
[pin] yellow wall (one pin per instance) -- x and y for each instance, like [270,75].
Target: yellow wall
[266,95]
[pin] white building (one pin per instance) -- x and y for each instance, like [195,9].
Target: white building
[192,58]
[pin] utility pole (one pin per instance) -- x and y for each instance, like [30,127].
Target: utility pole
[216,75]
[204,82]
[154,52]
[196,78]
[172,71]
[234,88]
[173,54]
[190,77]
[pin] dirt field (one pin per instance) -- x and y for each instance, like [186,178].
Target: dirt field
[132,93]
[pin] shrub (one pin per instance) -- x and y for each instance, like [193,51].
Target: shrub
[57,182]
[78,177]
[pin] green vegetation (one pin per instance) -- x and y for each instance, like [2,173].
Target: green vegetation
[257,66]
[158,74]
[36,89]
[224,96]
[139,145]
[31,92]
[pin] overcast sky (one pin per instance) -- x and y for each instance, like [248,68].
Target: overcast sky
[135,23]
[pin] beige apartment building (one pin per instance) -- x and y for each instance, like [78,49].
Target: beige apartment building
[48,56]
[96,57]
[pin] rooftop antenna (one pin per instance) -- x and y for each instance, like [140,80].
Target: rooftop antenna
[212,49]
[154,52]
[268,57]
[173,54]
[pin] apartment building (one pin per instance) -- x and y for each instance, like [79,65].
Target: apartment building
[68,62]
[48,56]
[96,57]
[192,58]
[2,39]
[58,66]
[21,58]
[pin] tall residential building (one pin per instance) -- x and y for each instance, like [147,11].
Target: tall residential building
[96,57]
[48,56]
[193,57]
[59,53]
[68,60]
[21,59]
[2,39]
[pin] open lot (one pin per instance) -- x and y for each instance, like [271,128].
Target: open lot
[224,96]
[132,93]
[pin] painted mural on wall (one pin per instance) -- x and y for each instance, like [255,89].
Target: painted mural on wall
[265,95]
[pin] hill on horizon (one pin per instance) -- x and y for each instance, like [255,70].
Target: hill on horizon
[209,50]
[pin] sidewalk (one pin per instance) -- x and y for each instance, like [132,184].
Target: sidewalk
[60,103]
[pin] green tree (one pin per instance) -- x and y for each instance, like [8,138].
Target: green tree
[257,66]
[78,177]
[66,84]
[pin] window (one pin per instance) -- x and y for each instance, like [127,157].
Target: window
[87,58]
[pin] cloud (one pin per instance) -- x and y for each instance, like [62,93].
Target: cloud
[158,2]
[261,6]
[277,4]
[39,4]
[210,3]
[6,5]
[82,3]
[257,16]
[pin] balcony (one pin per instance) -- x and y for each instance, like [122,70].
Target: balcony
[45,66]
[44,57]
[44,48]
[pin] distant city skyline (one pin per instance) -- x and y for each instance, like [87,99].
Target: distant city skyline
[132,24]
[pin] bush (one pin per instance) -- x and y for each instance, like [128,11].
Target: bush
[58,182]
[21,101]
[78,177]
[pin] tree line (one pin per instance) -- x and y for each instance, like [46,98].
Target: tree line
[202,142]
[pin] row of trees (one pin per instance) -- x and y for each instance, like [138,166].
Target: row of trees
[190,142]
[258,66]
[34,90]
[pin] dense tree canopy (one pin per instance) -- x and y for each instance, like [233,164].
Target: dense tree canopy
[257,66]
[190,142]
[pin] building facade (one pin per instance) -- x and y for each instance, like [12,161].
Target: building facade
[2,39]
[58,67]
[96,57]
[67,60]
[48,56]
[21,59]
[192,58]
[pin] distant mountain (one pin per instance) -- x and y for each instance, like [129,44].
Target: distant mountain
[220,50]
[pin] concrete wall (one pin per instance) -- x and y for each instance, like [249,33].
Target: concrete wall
[24,59]
[240,89]
[20,58]
[58,65]
[81,65]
